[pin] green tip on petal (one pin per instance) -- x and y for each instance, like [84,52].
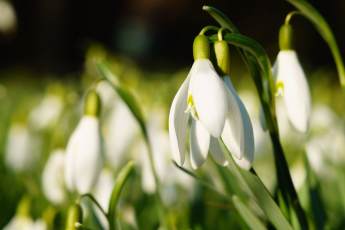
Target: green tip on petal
[75,215]
[221,49]
[285,37]
[201,47]
[92,106]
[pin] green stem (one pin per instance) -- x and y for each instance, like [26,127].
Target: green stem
[93,199]
[260,68]
[320,24]
[207,28]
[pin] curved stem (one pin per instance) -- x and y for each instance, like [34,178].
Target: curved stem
[290,15]
[93,199]
[207,28]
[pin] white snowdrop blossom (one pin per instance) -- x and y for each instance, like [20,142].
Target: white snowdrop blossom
[216,111]
[102,193]
[46,113]
[168,174]
[19,222]
[292,85]
[202,96]
[22,148]
[84,152]
[120,131]
[84,158]
[53,183]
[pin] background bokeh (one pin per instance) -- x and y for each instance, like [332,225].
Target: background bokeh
[52,37]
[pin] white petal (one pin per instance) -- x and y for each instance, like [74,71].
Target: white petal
[244,163]
[70,159]
[209,96]
[199,144]
[217,152]
[53,177]
[89,158]
[84,157]
[117,143]
[296,91]
[238,132]
[178,120]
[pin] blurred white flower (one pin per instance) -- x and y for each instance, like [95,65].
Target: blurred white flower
[8,18]
[53,183]
[298,175]
[46,113]
[84,158]
[107,94]
[102,193]
[261,138]
[19,222]
[168,174]
[322,118]
[203,96]
[22,148]
[292,84]
[121,128]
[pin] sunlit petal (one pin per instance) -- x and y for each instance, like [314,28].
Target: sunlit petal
[238,132]
[199,144]
[295,89]
[209,96]
[178,120]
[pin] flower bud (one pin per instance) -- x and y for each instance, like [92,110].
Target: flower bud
[285,37]
[201,47]
[221,49]
[92,106]
[75,215]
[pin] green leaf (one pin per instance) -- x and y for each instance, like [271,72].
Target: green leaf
[124,94]
[316,203]
[324,30]
[251,220]
[259,193]
[120,181]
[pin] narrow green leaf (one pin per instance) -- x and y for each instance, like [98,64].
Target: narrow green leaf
[260,194]
[324,30]
[124,94]
[316,204]
[251,220]
[120,181]
[221,18]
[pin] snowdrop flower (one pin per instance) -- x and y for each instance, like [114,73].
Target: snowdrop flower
[291,82]
[120,132]
[21,148]
[102,193]
[168,174]
[47,112]
[222,110]
[22,219]
[53,178]
[202,96]
[84,156]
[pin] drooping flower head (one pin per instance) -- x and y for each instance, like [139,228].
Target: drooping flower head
[202,97]
[238,134]
[84,152]
[211,104]
[291,82]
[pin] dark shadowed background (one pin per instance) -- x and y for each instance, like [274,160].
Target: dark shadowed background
[52,36]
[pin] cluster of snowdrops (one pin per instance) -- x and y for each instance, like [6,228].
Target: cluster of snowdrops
[126,152]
